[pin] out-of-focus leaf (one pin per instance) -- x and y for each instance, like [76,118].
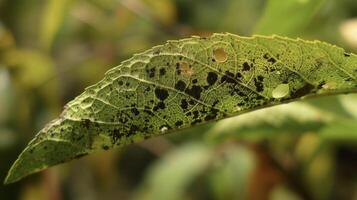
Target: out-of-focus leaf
[307,147]
[237,16]
[6,38]
[31,68]
[163,10]
[349,103]
[231,173]
[184,83]
[296,117]
[53,16]
[231,18]
[316,163]
[7,138]
[282,192]
[288,17]
[320,170]
[331,105]
[169,178]
[348,30]
[344,131]
[5,95]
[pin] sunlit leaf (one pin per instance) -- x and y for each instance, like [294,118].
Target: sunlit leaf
[185,83]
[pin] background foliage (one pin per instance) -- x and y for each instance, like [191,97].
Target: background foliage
[50,50]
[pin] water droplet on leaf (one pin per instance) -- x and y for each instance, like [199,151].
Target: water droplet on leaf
[281,91]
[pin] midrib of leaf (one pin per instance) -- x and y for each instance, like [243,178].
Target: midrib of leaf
[124,114]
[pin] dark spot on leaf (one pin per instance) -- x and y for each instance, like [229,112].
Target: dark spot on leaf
[105,147]
[178,123]
[151,72]
[246,66]
[161,94]
[135,111]
[228,77]
[238,76]
[346,54]
[303,91]
[191,102]
[178,70]
[184,104]
[162,71]
[266,56]
[213,112]
[195,114]
[194,81]
[133,129]
[205,87]
[86,123]
[211,78]
[258,84]
[272,60]
[80,155]
[120,82]
[180,85]
[194,91]
[160,105]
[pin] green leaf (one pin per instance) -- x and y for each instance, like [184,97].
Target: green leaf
[341,131]
[181,167]
[294,118]
[230,176]
[185,83]
[54,14]
[288,17]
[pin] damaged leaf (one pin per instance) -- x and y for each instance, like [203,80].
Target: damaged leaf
[184,83]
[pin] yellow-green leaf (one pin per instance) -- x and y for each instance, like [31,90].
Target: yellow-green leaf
[185,83]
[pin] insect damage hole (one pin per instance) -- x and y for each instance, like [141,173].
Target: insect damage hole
[220,55]
[281,91]
[184,68]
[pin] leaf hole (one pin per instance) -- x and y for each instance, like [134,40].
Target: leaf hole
[220,55]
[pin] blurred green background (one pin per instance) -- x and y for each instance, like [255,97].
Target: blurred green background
[50,50]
